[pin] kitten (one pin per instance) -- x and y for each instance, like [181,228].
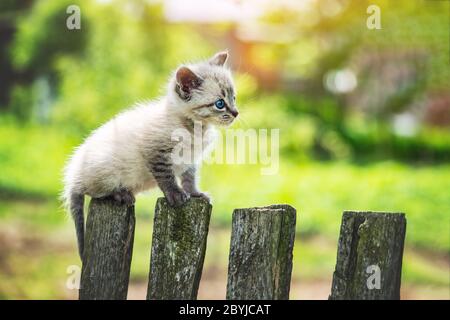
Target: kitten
[132,152]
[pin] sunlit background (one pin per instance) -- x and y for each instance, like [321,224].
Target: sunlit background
[364,118]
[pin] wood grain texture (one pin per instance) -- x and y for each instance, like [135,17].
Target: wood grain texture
[107,255]
[369,239]
[260,261]
[178,249]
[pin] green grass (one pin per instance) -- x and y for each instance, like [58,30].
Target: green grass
[31,159]
[322,191]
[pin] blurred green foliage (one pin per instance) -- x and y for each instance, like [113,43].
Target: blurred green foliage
[59,84]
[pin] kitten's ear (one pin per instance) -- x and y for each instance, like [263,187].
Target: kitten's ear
[187,79]
[219,58]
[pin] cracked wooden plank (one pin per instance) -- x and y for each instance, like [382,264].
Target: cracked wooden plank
[178,249]
[369,256]
[107,255]
[260,261]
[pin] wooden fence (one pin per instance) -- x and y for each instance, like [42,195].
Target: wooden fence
[368,265]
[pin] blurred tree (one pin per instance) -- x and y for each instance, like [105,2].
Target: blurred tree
[10,11]
[38,36]
[129,56]
[402,63]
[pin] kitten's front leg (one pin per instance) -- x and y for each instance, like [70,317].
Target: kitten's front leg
[188,182]
[161,169]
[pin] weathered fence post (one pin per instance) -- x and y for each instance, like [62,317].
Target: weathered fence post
[108,249]
[178,249]
[260,261]
[369,256]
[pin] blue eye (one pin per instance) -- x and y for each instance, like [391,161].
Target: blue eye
[220,104]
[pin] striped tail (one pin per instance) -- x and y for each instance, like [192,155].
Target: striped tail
[76,209]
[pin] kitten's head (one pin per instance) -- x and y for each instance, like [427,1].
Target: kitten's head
[205,91]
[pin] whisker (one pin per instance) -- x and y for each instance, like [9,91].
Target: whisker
[242,121]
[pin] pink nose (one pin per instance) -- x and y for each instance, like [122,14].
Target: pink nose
[234,113]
